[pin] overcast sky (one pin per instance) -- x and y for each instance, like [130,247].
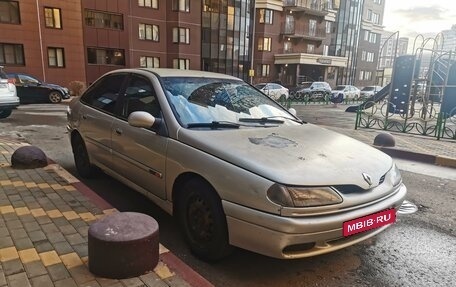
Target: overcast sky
[413,17]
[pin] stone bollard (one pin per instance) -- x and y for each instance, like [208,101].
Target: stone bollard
[123,245]
[384,139]
[27,157]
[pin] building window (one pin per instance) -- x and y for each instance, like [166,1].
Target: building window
[265,70]
[181,35]
[9,12]
[12,54]
[287,47]
[375,18]
[266,16]
[104,56]
[363,56]
[149,32]
[378,1]
[103,20]
[56,57]
[264,44]
[369,15]
[372,38]
[310,48]
[183,64]
[312,27]
[370,57]
[53,18]
[148,3]
[365,75]
[328,27]
[181,5]
[325,50]
[149,62]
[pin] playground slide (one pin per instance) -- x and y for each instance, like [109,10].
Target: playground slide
[380,95]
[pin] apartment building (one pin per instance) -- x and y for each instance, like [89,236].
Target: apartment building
[292,40]
[43,38]
[288,41]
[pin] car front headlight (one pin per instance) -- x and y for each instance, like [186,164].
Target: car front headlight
[287,196]
[395,175]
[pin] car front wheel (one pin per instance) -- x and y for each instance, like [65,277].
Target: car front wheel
[55,97]
[202,221]
[5,113]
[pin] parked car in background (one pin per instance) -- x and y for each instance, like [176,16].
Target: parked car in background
[369,91]
[273,90]
[314,91]
[233,166]
[32,91]
[8,95]
[346,92]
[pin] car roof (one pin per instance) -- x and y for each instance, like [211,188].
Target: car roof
[165,72]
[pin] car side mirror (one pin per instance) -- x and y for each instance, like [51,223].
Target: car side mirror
[292,111]
[145,120]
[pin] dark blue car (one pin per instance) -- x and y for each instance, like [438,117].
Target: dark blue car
[32,91]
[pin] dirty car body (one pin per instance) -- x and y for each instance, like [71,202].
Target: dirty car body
[232,165]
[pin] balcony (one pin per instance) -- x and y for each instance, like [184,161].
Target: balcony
[313,7]
[303,31]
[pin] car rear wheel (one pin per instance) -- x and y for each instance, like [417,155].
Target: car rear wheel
[202,221]
[55,97]
[5,113]
[81,158]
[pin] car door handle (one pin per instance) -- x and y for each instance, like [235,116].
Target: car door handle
[84,117]
[118,131]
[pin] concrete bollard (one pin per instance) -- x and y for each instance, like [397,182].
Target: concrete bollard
[384,139]
[27,157]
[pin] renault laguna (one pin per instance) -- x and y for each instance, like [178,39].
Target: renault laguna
[231,164]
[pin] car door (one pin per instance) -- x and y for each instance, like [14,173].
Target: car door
[139,154]
[29,90]
[100,102]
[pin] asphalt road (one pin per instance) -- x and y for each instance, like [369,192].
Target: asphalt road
[419,250]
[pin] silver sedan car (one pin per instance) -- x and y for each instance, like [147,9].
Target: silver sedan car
[233,166]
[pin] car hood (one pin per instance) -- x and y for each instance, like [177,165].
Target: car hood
[53,86]
[293,155]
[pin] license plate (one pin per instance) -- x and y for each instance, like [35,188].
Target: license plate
[369,222]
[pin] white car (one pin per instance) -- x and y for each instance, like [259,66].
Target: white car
[369,91]
[8,96]
[346,92]
[233,166]
[273,90]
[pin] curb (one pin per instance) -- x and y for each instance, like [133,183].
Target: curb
[420,157]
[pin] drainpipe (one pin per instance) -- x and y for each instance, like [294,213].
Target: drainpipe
[41,39]
[253,40]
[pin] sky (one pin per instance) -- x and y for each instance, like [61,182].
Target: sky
[414,17]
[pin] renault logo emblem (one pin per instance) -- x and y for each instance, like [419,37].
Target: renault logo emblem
[367,178]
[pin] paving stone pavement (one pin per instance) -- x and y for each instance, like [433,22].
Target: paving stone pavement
[44,220]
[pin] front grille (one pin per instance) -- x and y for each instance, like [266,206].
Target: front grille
[349,188]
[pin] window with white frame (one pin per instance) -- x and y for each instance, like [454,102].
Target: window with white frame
[149,62]
[310,48]
[363,55]
[370,57]
[181,35]
[148,3]
[183,64]
[312,27]
[149,32]
[325,50]
[375,18]
[372,38]
[377,1]
[264,44]
[56,57]
[369,15]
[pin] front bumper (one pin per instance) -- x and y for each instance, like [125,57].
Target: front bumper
[298,237]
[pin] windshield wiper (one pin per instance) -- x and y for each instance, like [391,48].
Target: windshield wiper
[271,119]
[214,125]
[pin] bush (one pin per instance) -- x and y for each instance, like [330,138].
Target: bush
[76,88]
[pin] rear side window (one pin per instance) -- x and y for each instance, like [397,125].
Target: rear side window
[103,95]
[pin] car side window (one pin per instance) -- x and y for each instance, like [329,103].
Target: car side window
[104,93]
[140,96]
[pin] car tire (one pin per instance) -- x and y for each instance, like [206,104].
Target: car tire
[81,159]
[55,97]
[5,113]
[202,221]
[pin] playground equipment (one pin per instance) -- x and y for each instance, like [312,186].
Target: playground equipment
[421,97]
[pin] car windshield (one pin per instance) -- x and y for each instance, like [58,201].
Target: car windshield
[305,85]
[260,86]
[339,88]
[206,100]
[368,89]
